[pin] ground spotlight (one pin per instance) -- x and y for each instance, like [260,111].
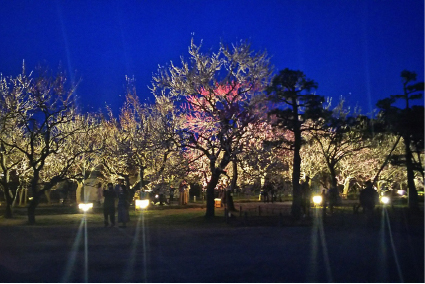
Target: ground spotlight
[317,200]
[142,204]
[85,206]
[385,200]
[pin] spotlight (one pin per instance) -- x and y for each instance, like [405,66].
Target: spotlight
[85,206]
[317,200]
[385,200]
[142,204]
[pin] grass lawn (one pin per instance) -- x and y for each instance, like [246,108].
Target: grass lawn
[192,217]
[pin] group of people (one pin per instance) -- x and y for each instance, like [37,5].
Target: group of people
[161,190]
[368,198]
[112,193]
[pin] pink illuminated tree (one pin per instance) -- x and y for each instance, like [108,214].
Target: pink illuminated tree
[221,91]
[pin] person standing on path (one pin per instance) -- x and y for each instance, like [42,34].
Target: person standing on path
[123,203]
[368,198]
[306,196]
[109,205]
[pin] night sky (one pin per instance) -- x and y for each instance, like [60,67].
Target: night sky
[353,48]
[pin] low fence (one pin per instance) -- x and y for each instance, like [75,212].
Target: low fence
[260,215]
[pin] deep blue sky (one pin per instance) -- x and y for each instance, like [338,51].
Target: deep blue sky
[354,48]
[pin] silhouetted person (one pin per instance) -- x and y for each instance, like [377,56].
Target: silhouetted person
[123,203]
[367,198]
[306,196]
[109,205]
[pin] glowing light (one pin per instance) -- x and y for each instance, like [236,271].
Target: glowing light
[85,206]
[142,204]
[317,199]
[385,199]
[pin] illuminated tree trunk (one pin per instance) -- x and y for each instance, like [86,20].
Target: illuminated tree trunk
[37,193]
[47,194]
[8,194]
[412,193]
[332,171]
[142,177]
[210,193]
[296,201]
[79,192]
[23,196]
[35,198]
[215,176]
[229,197]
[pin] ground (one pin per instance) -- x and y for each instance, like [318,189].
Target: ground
[345,247]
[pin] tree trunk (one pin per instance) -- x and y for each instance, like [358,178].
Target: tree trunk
[332,171]
[297,199]
[412,193]
[210,193]
[47,194]
[23,196]
[347,186]
[229,197]
[142,177]
[8,195]
[31,208]
[79,192]
[35,198]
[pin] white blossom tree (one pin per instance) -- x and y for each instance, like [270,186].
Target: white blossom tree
[13,105]
[43,106]
[140,144]
[340,135]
